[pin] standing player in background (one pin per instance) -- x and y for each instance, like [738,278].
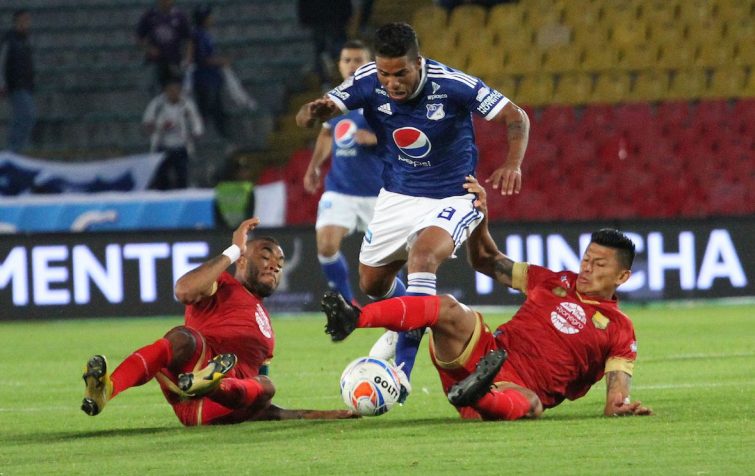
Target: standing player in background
[212,369]
[566,336]
[353,182]
[420,111]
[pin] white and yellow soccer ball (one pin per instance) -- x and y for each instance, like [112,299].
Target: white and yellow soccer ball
[370,386]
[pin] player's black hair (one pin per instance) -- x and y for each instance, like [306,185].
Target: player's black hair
[19,12]
[617,240]
[394,40]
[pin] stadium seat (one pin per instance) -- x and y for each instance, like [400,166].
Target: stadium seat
[486,63]
[745,55]
[658,11]
[553,35]
[621,12]
[599,59]
[665,33]
[556,118]
[437,46]
[726,82]
[522,62]
[467,17]
[638,57]
[430,20]
[611,87]
[581,15]
[714,55]
[573,89]
[676,56]
[707,30]
[535,90]
[649,85]
[561,59]
[749,89]
[628,34]
[506,84]
[696,10]
[673,114]
[687,84]
[591,36]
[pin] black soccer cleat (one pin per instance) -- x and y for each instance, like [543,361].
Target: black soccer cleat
[469,390]
[207,379]
[342,316]
[97,385]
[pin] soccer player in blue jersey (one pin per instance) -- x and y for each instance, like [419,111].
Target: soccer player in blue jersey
[420,111]
[353,182]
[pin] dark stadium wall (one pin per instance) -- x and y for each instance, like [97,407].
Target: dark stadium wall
[72,275]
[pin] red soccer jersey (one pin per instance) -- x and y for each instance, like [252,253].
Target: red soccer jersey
[561,342]
[234,321]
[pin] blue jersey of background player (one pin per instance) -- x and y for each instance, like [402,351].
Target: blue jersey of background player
[351,185]
[420,112]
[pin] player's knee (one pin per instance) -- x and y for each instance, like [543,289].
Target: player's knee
[423,258]
[268,388]
[375,288]
[452,313]
[182,342]
[327,249]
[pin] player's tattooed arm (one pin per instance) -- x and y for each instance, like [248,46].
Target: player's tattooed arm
[503,269]
[618,403]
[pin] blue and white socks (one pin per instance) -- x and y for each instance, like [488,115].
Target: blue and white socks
[420,284]
[336,271]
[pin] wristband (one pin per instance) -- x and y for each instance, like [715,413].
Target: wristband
[233,253]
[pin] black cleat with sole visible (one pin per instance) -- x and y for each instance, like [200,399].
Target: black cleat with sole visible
[469,390]
[98,386]
[207,380]
[342,316]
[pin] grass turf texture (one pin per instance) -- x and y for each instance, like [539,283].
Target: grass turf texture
[696,370]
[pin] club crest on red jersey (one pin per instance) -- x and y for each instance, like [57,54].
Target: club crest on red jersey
[412,142]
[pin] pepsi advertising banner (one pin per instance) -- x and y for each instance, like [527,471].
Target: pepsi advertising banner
[73,275]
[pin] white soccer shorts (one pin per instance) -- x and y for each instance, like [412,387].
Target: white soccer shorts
[348,211]
[399,219]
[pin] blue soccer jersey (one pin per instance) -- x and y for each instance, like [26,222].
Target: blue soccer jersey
[355,169]
[428,139]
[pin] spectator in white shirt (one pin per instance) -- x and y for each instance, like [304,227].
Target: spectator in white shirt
[174,123]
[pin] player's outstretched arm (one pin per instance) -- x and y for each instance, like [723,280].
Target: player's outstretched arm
[483,253]
[274,412]
[323,149]
[318,110]
[508,177]
[618,384]
[199,283]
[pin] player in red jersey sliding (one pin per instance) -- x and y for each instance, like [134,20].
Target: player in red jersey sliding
[568,333]
[209,369]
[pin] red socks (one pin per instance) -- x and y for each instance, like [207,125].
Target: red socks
[141,366]
[508,404]
[237,393]
[402,313]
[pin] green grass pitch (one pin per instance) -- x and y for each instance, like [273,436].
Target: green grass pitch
[696,369]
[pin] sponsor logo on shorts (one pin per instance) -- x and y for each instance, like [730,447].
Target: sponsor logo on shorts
[569,318]
[412,142]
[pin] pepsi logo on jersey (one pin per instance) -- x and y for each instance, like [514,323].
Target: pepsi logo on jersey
[345,133]
[412,142]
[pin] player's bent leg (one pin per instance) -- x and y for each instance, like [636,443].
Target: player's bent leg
[377,281]
[252,393]
[471,389]
[508,401]
[454,327]
[98,386]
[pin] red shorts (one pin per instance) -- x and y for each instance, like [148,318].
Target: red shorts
[481,343]
[193,411]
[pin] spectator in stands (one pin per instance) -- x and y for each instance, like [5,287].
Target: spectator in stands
[164,34]
[17,80]
[328,20]
[174,122]
[208,75]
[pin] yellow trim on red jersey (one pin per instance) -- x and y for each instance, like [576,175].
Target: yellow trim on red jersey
[461,360]
[585,300]
[519,276]
[617,363]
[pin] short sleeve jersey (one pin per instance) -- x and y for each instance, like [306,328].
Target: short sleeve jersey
[428,140]
[355,169]
[561,342]
[233,320]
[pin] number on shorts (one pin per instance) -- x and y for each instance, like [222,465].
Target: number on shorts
[447,213]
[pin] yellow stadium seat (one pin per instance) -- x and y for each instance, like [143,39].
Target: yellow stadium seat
[486,63]
[638,57]
[695,10]
[472,40]
[553,34]
[749,90]
[629,34]
[599,57]
[535,90]
[437,45]
[467,17]
[430,19]
[611,87]
[726,83]
[522,62]
[573,89]
[594,36]
[687,84]
[506,84]
[741,29]
[658,11]
[506,16]
[707,30]
[666,33]
[619,11]
[561,59]
[745,55]
[676,56]
[456,58]
[710,55]
[581,14]
[650,86]
[538,14]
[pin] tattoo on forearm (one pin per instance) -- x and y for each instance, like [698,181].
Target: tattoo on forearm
[503,267]
[516,130]
[617,381]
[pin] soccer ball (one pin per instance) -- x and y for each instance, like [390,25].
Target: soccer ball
[370,386]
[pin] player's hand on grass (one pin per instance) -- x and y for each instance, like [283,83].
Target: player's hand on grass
[508,178]
[627,408]
[473,186]
[240,235]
